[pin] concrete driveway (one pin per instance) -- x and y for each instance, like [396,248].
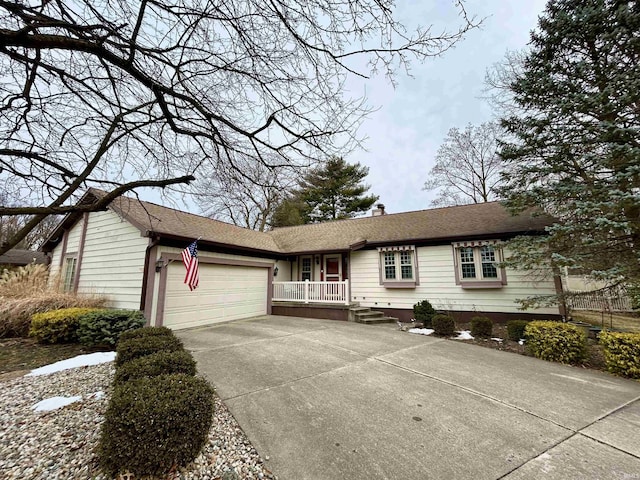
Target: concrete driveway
[336,400]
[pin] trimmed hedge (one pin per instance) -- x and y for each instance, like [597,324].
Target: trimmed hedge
[139,347]
[145,332]
[515,329]
[443,325]
[103,327]
[556,342]
[152,424]
[481,327]
[58,326]
[423,312]
[156,364]
[622,353]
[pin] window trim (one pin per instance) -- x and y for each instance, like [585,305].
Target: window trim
[477,283]
[398,282]
[71,286]
[310,257]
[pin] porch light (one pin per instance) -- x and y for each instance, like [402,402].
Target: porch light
[275,271]
[159,265]
[317,260]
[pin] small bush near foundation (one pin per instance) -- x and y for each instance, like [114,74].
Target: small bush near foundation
[156,364]
[103,327]
[622,353]
[481,327]
[423,312]
[443,325]
[140,347]
[145,332]
[152,424]
[58,326]
[556,342]
[515,329]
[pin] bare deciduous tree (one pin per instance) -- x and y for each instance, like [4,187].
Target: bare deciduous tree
[124,94]
[468,167]
[246,196]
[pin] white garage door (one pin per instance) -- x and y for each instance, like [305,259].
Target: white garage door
[225,293]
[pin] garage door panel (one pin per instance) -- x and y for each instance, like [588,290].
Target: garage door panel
[225,293]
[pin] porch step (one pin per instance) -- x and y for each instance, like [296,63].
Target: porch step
[369,317]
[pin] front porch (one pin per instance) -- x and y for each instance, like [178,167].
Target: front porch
[327,300]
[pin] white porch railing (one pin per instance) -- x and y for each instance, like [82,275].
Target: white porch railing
[311,292]
[608,301]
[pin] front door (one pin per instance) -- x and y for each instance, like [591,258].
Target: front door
[333,268]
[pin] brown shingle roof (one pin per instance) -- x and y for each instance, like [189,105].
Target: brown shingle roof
[465,221]
[22,257]
[483,220]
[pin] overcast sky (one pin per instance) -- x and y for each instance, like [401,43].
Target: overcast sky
[413,120]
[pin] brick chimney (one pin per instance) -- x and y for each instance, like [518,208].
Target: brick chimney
[379,210]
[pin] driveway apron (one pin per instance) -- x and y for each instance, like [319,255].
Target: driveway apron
[336,400]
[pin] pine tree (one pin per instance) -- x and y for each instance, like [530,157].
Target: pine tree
[332,191]
[575,149]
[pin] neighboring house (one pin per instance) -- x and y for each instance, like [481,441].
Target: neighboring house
[131,253]
[19,258]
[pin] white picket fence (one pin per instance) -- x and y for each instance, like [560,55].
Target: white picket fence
[608,301]
[312,292]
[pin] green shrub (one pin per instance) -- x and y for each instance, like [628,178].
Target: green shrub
[152,424]
[555,341]
[423,312]
[622,353]
[16,312]
[139,347]
[145,332]
[481,327]
[443,325]
[156,364]
[57,326]
[103,327]
[515,329]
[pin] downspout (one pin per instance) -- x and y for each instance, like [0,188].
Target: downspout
[153,242]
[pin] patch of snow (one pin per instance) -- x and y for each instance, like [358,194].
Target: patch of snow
[54,403]
[499,340]
[75,362]
[463,335]
[521,341]
[97,395]
[421,331]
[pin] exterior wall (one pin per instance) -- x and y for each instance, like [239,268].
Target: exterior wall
[54,266]
[112,259]
[72,247]
[284,271]
[437,284]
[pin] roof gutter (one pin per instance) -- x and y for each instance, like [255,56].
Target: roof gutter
[153,242]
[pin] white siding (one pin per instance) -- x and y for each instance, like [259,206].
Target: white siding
[73,244]
[437,284]
[54,268]
[113,259]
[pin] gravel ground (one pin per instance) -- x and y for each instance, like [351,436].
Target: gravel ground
[59,444]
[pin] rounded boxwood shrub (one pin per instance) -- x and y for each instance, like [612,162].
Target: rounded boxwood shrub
[443,325]
[145,332]
[556,342]
[152,424]
[58,326]
[423,312]
[156,364]
[622,353]
[103,327]
[139,347]
[515,329]
[481,327]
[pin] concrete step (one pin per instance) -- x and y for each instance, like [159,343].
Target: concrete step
[369,313]
[376,320]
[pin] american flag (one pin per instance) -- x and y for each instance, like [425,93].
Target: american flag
[190,260]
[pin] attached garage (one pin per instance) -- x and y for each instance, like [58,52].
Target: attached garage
[226,292]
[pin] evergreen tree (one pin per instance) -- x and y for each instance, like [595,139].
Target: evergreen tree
[332,191]
[575,148]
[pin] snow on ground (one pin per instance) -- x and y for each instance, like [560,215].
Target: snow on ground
[521,341]
[496,339]
[421,331]
[54,403]
[75,362]
[463,335]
